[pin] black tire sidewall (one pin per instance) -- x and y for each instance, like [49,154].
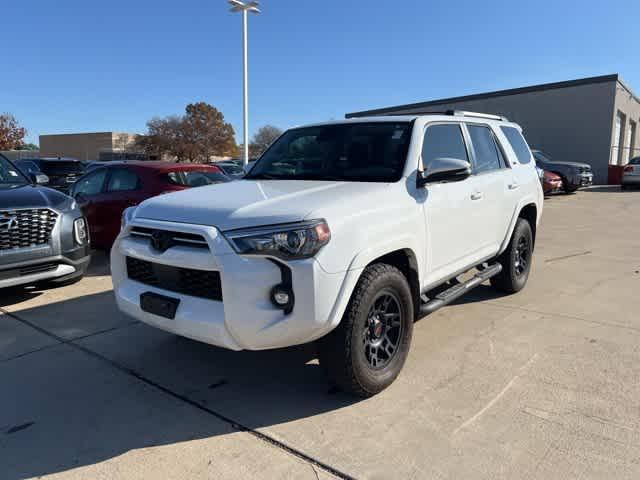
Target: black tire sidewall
[370,379]
[522,229]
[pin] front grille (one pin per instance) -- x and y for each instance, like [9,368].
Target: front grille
[175,238]
[26,228]
[197,283]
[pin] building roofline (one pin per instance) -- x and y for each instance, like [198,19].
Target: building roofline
[497,93]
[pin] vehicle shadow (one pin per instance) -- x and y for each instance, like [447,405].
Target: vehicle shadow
[128,388]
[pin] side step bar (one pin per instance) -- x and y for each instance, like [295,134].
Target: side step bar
[456,291]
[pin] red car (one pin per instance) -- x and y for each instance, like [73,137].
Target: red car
[105,191]
[551,183]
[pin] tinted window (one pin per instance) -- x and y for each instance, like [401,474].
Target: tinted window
[122,180]
[518,143]
[91,184]
[9,175]
[487,154]
[195,178]
[353,152]
[635,161]
[57,167]
[27,166]
[443,141]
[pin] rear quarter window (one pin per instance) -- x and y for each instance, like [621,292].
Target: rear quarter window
[518,144]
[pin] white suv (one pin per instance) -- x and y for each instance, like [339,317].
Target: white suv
[342,232]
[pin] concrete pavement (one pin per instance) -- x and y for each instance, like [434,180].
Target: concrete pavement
[543,384]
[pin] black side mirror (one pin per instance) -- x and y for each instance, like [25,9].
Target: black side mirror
[445,170]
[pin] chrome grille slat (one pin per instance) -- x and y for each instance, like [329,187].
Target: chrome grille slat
[26,227]
[191,239]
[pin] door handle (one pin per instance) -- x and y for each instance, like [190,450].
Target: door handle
[514,186]
[476,196]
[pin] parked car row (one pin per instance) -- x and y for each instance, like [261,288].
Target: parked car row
[562,176]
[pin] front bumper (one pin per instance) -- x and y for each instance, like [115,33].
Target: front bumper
[57,268]
[581,179]
[245,318]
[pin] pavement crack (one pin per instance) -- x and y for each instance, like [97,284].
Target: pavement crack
[566,257]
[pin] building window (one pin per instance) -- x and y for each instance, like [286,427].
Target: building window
[629,150]
[618,140]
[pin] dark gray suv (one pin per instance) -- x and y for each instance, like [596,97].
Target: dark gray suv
[43,235]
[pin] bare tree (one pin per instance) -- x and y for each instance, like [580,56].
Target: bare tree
[11,134]
[264,137]
[194,137]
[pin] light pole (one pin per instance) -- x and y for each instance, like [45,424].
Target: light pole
[245,7]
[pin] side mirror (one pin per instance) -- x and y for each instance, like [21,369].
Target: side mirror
[445,170]
[39,178]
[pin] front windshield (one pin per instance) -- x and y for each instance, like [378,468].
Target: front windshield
[350,152]
[9,175]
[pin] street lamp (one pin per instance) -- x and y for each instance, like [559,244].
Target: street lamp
[245,7]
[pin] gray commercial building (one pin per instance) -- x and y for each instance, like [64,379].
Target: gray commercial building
[592,120]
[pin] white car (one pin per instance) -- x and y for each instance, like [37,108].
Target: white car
[342,232]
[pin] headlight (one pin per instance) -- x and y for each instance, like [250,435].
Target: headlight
[289,242]
[127,216]
[80,231]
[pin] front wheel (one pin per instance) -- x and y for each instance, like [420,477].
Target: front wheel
[366,352]
[515,260]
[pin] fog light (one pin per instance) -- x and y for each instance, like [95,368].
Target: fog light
[280,296]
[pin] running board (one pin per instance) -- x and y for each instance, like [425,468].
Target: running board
[456,291]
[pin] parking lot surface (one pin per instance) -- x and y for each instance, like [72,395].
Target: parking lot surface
[539,385]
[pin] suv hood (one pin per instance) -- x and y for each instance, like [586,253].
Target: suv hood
[30,196]
[248,203]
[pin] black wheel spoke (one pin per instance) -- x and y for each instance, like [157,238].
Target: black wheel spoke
[383,330]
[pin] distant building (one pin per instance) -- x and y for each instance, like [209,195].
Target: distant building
[592,120]
[103,146]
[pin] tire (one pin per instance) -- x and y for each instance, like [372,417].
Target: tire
[623,187]
[514,275]
[367,351]
[568,188]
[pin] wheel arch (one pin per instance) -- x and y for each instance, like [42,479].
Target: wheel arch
[528,209]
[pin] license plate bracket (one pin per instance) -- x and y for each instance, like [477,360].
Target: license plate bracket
[159,305]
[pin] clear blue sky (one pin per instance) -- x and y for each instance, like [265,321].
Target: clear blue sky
[74,66]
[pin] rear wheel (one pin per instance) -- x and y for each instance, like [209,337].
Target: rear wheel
[366,352]
[515,260]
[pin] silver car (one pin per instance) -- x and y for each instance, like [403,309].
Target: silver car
[631,174]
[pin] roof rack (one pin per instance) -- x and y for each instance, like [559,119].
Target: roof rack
[462,113]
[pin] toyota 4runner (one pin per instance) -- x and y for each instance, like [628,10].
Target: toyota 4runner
[342,233]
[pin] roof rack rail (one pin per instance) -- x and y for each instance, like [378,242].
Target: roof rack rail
[462,113]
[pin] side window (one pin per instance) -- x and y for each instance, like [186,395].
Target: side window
[518,143]
[90,184]
[122,180]
[484,145]
[443,141]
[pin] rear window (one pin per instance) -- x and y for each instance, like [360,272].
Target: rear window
[518,143]
[194,178]
[53,167]
[635,161]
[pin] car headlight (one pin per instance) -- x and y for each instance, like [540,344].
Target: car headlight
[288,242]
[80,231]
[127,216]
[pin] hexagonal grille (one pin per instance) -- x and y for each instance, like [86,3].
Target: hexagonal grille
[197,283]
[26,228]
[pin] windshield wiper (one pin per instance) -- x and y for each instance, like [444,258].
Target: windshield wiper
[264,176]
